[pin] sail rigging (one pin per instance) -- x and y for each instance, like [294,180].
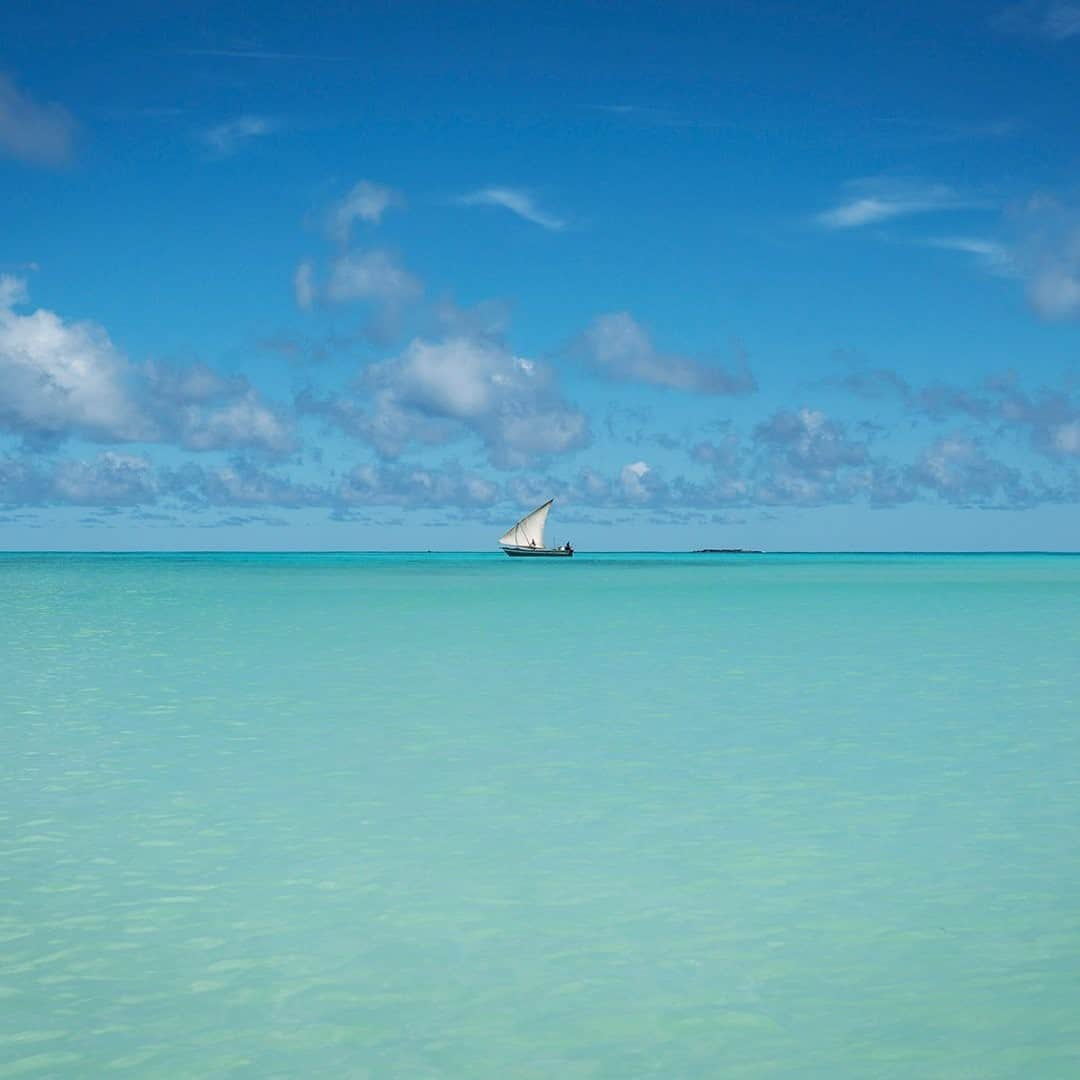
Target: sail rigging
[529,531]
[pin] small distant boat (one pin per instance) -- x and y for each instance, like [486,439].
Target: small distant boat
[527,536]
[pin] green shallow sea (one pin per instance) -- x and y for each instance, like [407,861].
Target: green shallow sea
[611,817]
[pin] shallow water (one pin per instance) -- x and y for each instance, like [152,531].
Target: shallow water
[467,816]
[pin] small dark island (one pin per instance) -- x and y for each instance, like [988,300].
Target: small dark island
[727,551]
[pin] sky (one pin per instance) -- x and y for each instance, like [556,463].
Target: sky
[376,276]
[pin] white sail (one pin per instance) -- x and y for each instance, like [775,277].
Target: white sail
[529,531]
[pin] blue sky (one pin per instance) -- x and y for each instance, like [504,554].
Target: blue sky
[386,275]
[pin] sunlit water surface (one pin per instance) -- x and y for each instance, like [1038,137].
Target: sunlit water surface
[466,816]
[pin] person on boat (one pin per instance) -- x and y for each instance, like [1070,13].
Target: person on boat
[532,543]
[569,549]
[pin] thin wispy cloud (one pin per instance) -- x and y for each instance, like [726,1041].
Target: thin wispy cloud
[32,132]
[265,54]
[871,202]
[1057,20]
[990,255]
[225,139]
[517,202]
[907,131]
[1062,21]
[654,116]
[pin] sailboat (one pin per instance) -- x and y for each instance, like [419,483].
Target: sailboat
[526,537]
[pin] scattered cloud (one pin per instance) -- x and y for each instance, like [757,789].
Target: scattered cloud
[1051,419]
[114,480]
[225,139]
[959,471]
[241,483]
[936,401]
[414,486]
[517,202]
[437,391]
[366,202]
[110,479]
[620,348]
[1048,420]
[31,132]
[798,456]
[872,201]
[793,458]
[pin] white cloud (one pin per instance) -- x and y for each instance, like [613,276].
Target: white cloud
[241,422]
[372,275]
[873,201]
[225,139]
[31,132]
[304,285]
[376,277]
[435,392]
[516,201]
[60,379]
[367,202]
[619,347]
[634,481]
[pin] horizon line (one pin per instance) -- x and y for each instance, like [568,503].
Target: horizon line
[487,551]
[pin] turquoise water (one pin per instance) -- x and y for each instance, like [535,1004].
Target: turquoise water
[467,816]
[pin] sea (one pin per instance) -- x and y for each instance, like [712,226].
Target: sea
[616,816]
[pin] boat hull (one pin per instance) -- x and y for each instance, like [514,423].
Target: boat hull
[534,553]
